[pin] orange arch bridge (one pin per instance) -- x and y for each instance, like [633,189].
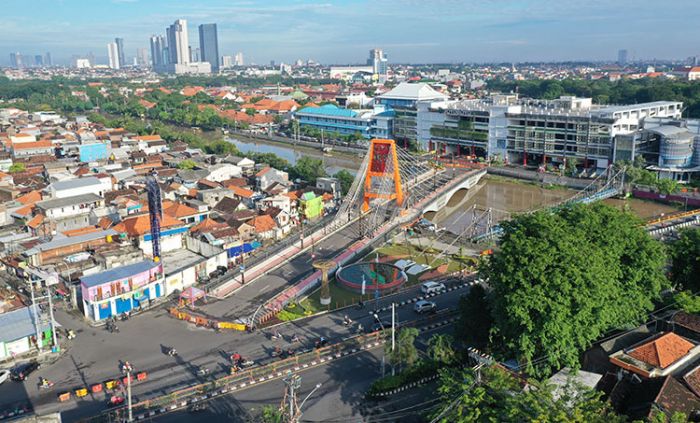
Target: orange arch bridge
[383,163]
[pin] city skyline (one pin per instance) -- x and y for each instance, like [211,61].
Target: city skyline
[442,31]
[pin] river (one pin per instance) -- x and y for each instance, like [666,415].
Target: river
[505,197]
[332,162]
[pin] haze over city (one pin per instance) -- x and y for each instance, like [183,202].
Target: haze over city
[410,211]
[342,31]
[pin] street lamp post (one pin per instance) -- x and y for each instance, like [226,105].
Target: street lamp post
[128,369]
[318,385]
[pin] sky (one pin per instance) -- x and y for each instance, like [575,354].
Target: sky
[342,31]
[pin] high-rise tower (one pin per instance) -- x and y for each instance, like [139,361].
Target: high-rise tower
[209,45]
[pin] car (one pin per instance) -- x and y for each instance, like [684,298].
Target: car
[424,306]
[222,269]
[21,372]
[4,375]
[432,287]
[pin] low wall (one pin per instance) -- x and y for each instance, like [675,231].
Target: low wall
[667,198]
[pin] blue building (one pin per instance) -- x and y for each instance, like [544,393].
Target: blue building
[374,123]
[93,152]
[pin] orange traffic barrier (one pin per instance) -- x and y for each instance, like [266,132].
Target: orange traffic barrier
[111,384]
[141,376]
[81,392]
[64,396]
[96,388]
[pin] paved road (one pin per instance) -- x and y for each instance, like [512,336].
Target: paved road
[247,299]
[97,354]
[339,399]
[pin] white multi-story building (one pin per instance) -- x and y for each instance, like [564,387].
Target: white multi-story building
[527,131]
[113,53]
[178,42]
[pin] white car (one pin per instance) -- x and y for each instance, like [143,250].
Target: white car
[424,306]
[4,375]
[431,287]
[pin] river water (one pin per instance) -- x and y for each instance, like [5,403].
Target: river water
[332,162]
[505,197]
[502,196]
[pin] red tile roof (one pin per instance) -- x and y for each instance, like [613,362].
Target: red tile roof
[31,145]
[35,221]
[241,192]
[141,225]
[662,351]
[207,225]
[263,223]
[30,197]
[178,210]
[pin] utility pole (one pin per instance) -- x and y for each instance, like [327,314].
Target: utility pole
[393,334]
[289,402]
[128,369]
[36,316]
[53,322]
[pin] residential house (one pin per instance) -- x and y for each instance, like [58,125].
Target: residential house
[79,186]
[657,356]
[37,148]
[212,196]
[69,212]
[310,205]
[228,206]
[223,171]
[331,185]
[122,289]
[183,213]
[247,165]
[268,176]
[245,196]
[139,229]
[280,201]
[265,227]
[282,219]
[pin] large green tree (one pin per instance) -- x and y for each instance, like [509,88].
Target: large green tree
[308,169]
[474,322]
[685,253]
[496,396]
[562,279]
[345,178]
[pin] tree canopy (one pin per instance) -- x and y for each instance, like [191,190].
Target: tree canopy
[187,164]
[308,169]
[345,178]
[685,253]
[498,397]
[561,280]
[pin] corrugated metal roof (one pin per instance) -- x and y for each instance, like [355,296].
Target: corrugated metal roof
[417,92]
[75,183]
[68,201]
[118,273]
[329,110]
[62,242]
[18,324]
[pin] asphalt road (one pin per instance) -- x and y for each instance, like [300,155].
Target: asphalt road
[96,354]
[340,398]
